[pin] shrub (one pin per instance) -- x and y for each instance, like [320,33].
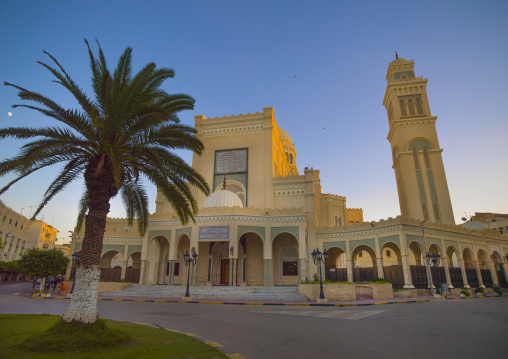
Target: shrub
[316,278]
[479,291]
[465,292]
[498,290]
[378,281]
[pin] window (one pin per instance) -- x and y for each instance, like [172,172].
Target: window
[10,221]
[291,158]
[16,224]
[4,218]
[388,253]
[425,212]
[426,157]
[402,107]
[177,269]
[411,107]
[22,226]
[419,108]
[360,255]
[415,157]
[289,268]
[403,78]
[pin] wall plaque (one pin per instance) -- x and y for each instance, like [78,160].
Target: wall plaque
[231,161]
[213,233]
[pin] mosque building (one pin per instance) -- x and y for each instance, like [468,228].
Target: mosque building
[266,216]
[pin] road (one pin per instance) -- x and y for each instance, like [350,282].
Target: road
[475,328]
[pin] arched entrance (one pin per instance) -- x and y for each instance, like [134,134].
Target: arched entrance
[417,265]
[285,259]
[469,264]
[392,265]
[452,256]
[220,264]
[133,269]
[111,265]
[250,268]
[364,264]
[499,268]
[181,269]
[157,259]
[483,263]
[335,266]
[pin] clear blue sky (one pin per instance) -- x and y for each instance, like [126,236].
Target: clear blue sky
[238,57]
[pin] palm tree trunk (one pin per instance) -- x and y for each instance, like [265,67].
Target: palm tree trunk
[101,188]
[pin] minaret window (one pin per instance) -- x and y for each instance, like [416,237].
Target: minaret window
[403,107]
[419,108]
[291,158]
[411,107]
[415,157]
[426,157]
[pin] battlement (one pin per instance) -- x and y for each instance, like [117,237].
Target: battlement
[416,78]
[247,116]
[332,196]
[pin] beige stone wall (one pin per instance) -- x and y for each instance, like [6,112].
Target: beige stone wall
[254,265]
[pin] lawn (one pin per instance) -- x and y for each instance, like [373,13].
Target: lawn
[146,342]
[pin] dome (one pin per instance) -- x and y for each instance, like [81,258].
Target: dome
[399,60]
[223,198]
[284,136]
[474,225]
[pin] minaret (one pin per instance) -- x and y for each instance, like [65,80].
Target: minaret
[419,170]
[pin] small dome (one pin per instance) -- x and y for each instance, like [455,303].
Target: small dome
[284,136]
[399,60]
[474,225]
[223,198]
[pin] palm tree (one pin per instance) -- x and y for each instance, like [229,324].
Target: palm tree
[125,133]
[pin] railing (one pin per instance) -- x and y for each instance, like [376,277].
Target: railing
[394,275]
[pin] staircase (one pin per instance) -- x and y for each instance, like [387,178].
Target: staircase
[286,293]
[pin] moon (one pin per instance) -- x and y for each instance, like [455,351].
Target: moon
[9,113]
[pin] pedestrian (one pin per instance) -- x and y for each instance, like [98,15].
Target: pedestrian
[63,286]
[35,282]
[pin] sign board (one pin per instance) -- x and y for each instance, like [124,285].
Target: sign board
[213,233]
[231,161]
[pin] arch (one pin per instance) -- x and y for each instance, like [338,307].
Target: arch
[391,254]
[366,254]
[286,266]
[236,187]
[435,249]
[468,257]
[419,144]
[180,271]
[411,107]
[250,265]
[419,107]
[134,260]
[219,253]
[110,259]
[416,253]
[335,266]
[483,259]
[499,268]
[452,256]
[157,259]
[402,104]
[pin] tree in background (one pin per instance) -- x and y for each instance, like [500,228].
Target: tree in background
[10,267]
[125,133]
[42,263]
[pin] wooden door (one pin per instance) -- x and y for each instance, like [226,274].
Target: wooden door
[224,272]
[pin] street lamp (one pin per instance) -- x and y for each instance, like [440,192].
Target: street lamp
[76,258]
[319,258]
[427,255]
[189,260]
[435,259]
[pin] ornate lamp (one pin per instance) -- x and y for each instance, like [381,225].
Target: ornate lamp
[190,260]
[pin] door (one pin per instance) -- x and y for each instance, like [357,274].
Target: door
[224,272]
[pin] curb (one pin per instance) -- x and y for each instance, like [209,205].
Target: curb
[263,304]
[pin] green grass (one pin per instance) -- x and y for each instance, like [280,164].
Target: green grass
[22,337]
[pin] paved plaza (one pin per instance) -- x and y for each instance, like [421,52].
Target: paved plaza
[474,328]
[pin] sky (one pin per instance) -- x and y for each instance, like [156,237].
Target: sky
[321,65]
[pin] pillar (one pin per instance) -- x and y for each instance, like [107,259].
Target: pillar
[406,271]
[478,273]
[463,271]
[235,262]
[142,272]
[268,272]
[230,272]
[349,268]
[124,270]
[171,275]
[444,260]
[493,273]
[380,268]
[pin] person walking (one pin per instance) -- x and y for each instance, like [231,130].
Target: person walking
[35,282]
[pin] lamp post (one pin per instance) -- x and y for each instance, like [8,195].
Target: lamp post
[190,260]
[426,256]
[435,259]
[76,258]
[319,258]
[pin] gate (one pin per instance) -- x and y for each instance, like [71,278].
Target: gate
[502,280]
[487,278]
[419,277]
[111,274]
[438,276]
[456,277]
[336,274]
[394,275]
[472,277]
[364,274]
[132,275]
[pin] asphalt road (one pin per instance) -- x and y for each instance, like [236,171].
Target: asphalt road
[475,328]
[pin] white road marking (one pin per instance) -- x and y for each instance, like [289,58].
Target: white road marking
[333,314]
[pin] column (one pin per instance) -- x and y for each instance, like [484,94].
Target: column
[380,268]
[124,270]
[493,273]
[463,271]
[478,273]
[171,275]
[235,261]
[444,260]
[193,274]
[230,272]
[349,263]
[268,272]
[142,272]
[406,270]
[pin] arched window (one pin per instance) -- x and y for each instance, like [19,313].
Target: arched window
[411,107]
[402,107]
[291,158]
[426,157]
[419,108]
[388,253]
[287,156]
[403,78]
[415,157]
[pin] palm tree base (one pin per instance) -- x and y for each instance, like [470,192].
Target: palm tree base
[83,307]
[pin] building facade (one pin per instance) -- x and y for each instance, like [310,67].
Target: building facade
[19,233]
[265,216]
